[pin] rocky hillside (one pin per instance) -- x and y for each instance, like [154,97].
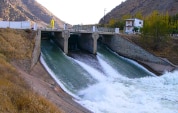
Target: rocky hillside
[21,10]
[145,7]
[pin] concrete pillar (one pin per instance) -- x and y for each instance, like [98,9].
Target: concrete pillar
[94,29]
[117,30]
[66,35]
[95,37]
[37,49]
[35,26]
[65,26]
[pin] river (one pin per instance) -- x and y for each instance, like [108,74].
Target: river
[109,83]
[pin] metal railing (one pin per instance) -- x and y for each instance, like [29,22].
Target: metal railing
[104,29]
[82,28]
[90,28]
[87,29]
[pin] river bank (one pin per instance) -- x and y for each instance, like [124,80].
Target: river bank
[42,83]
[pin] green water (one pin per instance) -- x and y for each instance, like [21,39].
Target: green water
[70,74]
[123,65]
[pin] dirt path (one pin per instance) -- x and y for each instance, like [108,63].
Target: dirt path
[42,83]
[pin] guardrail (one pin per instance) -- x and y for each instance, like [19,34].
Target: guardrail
[104,29]
[81,27]
[89,28]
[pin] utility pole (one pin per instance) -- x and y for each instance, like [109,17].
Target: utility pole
[104,15]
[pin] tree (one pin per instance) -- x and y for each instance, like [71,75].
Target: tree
[126,16]
[173,23]
[156,30]
[139,15]
[113,23]
[135,29]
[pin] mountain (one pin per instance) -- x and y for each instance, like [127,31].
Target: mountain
[145,7]
[22,10]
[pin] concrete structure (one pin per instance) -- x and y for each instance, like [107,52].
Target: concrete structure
[83,37]
[18,25]
[37,49]
[87,40]
[91,29]
[131,23]
[61,38]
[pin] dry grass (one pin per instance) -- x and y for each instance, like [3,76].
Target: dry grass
[15,95]
[169,51]
[16,44]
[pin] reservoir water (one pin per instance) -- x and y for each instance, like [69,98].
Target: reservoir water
[109,83]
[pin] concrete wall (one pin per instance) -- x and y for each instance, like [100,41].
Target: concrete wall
[138,23]
[85,42]
[37,49]
[73,42]
[45,35]
[16,25]
[58,39]
[61,39]
[128,49]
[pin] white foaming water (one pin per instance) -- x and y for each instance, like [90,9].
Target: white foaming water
[117,94]
[93,72]
[131,61]
[124,95]
[108,69]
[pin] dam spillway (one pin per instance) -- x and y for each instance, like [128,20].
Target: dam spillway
[119,83]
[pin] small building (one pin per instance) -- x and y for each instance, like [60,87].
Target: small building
[133,25]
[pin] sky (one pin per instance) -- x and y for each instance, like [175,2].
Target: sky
[76,12]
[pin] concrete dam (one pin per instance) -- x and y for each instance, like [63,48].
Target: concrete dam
[69,40]
[104,80]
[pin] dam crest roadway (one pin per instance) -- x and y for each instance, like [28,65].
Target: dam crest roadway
[84,37]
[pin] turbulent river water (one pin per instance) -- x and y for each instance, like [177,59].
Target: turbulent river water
[109,83]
